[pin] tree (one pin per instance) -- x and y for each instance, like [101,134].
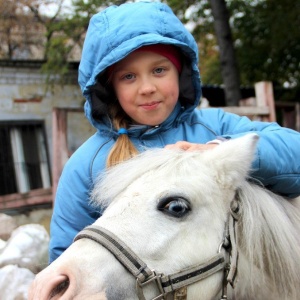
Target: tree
[265,37]
[67,34]
[267,40]
[230,73]
[211,27]
[18,31]
[25,30]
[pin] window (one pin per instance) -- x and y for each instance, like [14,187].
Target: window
[24,163]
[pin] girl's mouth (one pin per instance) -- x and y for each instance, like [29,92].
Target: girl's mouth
[150,106]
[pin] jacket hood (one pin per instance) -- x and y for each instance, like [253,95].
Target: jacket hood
[119,30]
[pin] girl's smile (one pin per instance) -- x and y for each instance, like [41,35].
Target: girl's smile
[150,106]
[146,85]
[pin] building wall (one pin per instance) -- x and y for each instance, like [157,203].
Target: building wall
[24,95]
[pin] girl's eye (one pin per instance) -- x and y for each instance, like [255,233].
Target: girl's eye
[128,76]
[159,70]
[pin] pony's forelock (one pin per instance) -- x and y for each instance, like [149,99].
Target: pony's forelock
[116,179]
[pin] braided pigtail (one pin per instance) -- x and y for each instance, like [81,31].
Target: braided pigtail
[123,149]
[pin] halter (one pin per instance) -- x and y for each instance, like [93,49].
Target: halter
[174,283]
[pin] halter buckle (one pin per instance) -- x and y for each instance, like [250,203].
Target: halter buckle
[156,278]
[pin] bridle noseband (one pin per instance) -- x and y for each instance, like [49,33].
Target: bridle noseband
[174,283]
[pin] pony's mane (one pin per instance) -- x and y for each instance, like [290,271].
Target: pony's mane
[114,180]
[269,236]
[268,231]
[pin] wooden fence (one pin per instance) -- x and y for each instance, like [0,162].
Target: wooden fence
[263,107]
[32,198]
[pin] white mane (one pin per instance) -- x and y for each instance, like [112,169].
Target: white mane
[116,179]
[269,236]
[269,228]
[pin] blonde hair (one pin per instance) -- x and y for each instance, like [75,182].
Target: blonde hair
[123,148]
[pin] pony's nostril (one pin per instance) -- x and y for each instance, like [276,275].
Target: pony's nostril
[60,289]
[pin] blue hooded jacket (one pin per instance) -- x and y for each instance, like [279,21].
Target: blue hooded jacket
[111,36]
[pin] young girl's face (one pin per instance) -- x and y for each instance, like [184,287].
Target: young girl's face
[146,85]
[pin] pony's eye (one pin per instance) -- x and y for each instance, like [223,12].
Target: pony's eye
[174,206]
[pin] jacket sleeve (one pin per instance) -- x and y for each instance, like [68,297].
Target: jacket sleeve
[277,163]
[71,212]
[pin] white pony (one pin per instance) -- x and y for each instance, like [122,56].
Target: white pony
[177,226]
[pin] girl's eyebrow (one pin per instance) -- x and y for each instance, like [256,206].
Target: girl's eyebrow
[120,68]
[163,59]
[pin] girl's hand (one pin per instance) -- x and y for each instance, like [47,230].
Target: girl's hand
[191,146]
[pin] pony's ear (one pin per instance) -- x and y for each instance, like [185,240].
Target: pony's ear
[232,159]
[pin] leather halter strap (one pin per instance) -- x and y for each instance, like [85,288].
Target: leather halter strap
[119,249]
[143,274]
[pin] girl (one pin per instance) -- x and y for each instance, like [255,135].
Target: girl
[139,75]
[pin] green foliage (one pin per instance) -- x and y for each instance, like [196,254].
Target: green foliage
[199,15]
[64,34]
[56,59]
[266,35]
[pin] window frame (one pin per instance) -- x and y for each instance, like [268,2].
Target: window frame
[24,180]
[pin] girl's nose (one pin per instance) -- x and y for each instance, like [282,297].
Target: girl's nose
[147,87]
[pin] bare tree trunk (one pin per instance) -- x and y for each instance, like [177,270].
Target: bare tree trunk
[230,73]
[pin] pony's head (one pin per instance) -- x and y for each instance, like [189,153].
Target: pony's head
[167,209]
